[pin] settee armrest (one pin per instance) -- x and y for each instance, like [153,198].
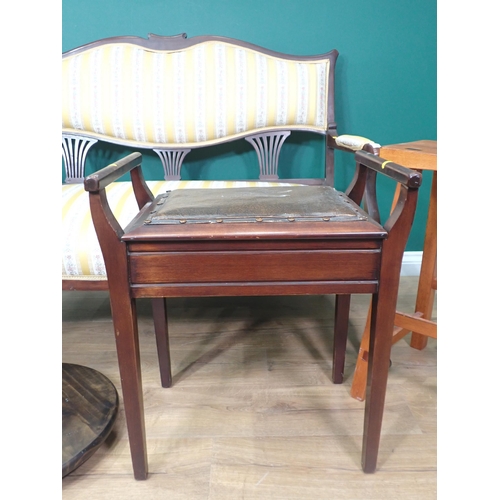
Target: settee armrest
[353,143]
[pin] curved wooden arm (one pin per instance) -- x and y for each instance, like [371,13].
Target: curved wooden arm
[108,229]
[363,183]
[109,174]
[403,175]
[131,163]
[107,226]
[353,144]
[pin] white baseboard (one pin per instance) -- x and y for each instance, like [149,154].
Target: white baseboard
[412,262]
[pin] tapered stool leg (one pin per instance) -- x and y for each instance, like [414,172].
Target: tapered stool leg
[123,311]
[127,345]
[341,326]
[162,343]
[382,326]
[382,320]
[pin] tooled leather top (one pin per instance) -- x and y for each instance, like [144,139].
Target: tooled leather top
[254,204]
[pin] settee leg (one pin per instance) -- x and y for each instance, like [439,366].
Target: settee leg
[162,342]
[342,304]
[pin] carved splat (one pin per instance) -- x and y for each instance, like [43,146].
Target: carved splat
[268,148]
[171,160]
[74,151]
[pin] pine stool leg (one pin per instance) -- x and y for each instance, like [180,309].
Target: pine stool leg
[358,387]
[427,280]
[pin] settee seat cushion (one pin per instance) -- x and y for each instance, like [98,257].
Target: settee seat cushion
[81,254]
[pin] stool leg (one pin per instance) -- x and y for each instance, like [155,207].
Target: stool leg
[382,321]
[127,346]
[341,326]
[426,291]
[358,387]
[162,343]
[123,311]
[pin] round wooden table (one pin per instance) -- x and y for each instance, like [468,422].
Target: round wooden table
[89,409]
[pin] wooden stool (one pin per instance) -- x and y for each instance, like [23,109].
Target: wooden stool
[302,240]
[419,155]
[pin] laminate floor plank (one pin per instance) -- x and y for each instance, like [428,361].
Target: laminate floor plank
[252,412]
[294,483]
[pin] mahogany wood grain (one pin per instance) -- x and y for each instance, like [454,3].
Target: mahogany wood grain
[363,230]
[342,304]
[104,177]
[253,245]
[343,258]
[125,326]
[370,202]
[245,288]
[382,322]
[142,193]
[162,343]
[213,260]
[87,285]
[254,266]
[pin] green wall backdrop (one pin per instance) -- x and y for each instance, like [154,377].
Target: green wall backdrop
[386,72]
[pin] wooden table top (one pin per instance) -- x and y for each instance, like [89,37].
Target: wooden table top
[420,155]
[89,409]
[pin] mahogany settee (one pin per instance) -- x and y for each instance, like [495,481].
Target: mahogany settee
[175,94]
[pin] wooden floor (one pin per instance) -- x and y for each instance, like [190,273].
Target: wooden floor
[252,413]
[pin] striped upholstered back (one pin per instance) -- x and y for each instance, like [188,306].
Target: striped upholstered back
[173,93]
[199,95]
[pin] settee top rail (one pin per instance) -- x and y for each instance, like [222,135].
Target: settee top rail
[173,92]
[181,41]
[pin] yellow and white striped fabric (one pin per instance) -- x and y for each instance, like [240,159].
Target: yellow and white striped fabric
[196,96]
[81,254]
